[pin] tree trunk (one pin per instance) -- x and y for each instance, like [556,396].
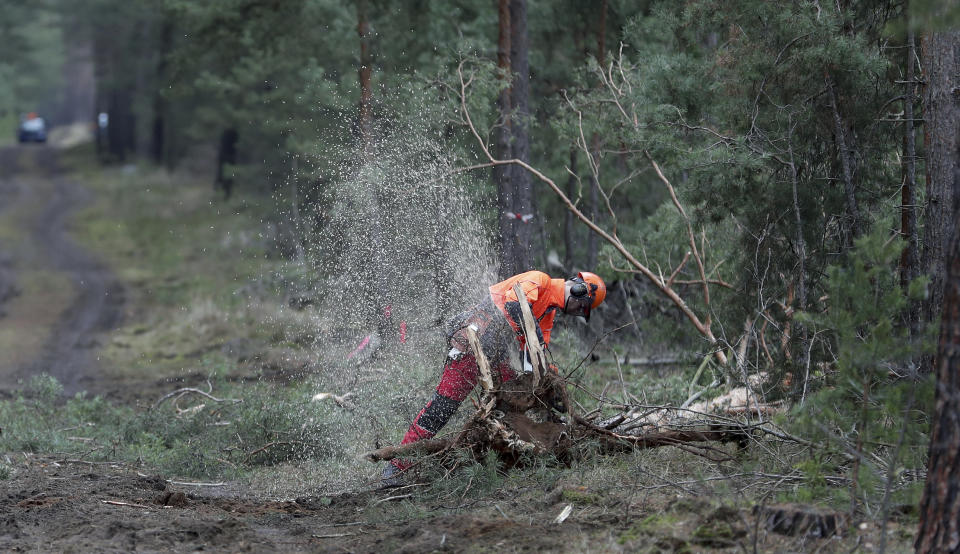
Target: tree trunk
[158,147]
[379,289]
[502,175]
[364,72]
[908,197]
[569,223]
[845,153]
[595,146]
[121,132]
[226,154]
[940,507]
[520,178]
[941,114]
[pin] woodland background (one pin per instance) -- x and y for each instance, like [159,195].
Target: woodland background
[768,187]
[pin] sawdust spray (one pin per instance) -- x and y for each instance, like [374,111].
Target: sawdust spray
[390,241]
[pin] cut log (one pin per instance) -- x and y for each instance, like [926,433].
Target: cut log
[419,448]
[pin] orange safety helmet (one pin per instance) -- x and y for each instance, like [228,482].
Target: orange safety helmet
[590,286]
[598,290]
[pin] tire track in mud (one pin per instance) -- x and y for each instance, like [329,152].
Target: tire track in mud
[69,354]
[8,191]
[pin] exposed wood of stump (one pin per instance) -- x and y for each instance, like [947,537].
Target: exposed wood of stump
[509,430]
[793,520]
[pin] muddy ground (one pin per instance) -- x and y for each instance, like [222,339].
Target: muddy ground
[58,304]
[59,297]
[63,506]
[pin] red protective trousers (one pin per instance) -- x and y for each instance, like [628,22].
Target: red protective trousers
[459,378]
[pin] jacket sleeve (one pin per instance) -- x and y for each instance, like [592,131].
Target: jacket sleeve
[512,306]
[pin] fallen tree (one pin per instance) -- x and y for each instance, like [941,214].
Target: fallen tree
[532,415]
[522,422]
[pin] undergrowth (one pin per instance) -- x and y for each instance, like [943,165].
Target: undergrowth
[193,437]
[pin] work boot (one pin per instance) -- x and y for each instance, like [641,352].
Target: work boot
[392,476]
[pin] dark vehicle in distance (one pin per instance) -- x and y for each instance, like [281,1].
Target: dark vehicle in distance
[32,128]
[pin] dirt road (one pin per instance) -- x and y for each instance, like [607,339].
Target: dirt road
[56,298]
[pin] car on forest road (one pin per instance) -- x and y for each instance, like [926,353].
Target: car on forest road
[32,128]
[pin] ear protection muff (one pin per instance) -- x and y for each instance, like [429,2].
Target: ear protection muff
[579,288]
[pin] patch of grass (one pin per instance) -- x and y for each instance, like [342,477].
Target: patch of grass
[580,496]
[190,437]
[186,259]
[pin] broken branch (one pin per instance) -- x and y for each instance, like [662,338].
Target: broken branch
[188,390]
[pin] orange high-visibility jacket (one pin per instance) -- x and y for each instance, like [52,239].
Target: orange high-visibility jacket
[545,296]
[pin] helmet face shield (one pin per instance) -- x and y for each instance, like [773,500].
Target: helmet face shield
[578,305]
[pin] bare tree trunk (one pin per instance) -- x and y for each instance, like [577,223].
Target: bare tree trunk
[801,259]
[520,102]
[941,114]
[940,506]
[569,222]
[226,154]
[502,175]
[158,131]
[595,146]
[364,72]
[381,312]
[591,261]
[845,153]
[908,213]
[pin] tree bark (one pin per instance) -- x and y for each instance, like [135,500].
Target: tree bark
[520,102]
[846,155]
[908,212]
[941,114]
[380,262]
[595,145]
[158,138]
[121,132]
[502,148]
[940,506]
[364,73]
[226,154]
[569,222]
[801,259]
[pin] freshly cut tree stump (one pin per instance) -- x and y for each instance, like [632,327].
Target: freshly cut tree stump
[515,423]
[795,519]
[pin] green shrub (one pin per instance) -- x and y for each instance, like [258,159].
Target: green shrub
[870,407]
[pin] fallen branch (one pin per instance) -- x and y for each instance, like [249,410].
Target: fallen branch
[422,448]
[189,484]
[340,400]
[131,504]
[190,390]
[389,498]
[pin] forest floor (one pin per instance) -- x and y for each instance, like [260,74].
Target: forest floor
[101,309]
